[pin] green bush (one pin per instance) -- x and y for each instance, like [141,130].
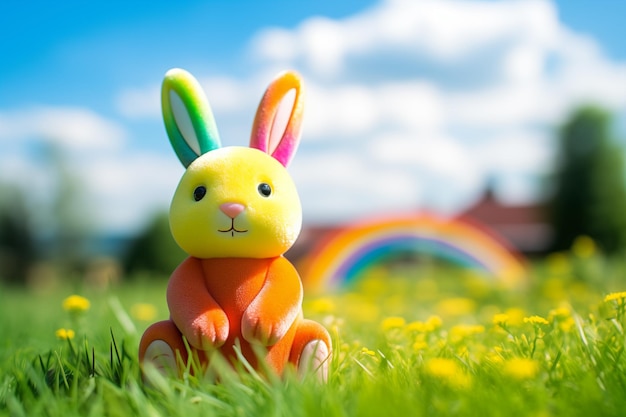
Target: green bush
[154,250]
[589,192]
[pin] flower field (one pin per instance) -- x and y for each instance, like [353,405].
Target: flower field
[412,341]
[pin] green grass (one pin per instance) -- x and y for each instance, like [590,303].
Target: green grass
[406,342]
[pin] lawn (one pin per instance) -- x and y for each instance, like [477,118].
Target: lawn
[407,341]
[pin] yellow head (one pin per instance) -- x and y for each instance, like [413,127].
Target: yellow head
[234,201]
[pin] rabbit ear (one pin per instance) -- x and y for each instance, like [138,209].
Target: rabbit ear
[266,122]
[188,117]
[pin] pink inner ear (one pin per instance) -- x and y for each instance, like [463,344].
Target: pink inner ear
[276,128]
[281,119]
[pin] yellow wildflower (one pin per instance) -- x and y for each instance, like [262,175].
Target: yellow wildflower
[392,323]
[76,303]
[584,247]
[535,320]
[368,352]
[143,311]
[420,345]
[559,313]
[431,324]
[516,316]
[615,296]
[65,334]
[500,319]
[434,322]
[462,331]
[442,367]
[521,368]
[417,326]
[448,371]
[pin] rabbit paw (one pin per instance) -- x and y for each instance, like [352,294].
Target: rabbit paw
[210,330]
[256,330]
[161,356]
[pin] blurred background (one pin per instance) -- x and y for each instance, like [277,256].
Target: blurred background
[509,112]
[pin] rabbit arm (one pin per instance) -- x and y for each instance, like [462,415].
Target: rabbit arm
[192,308]
[272,312]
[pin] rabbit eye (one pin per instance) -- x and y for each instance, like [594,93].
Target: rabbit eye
[199,193]
[264,189]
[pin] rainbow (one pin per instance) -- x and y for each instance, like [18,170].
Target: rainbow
[345,254]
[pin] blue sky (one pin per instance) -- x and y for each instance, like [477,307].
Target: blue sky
[411,104]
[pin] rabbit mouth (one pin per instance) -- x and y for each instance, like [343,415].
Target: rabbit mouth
[232,230]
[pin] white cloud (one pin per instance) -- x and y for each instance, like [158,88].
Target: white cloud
[344,180]
[138,103]
[443,30]
[225,95]
[524,64]
[125,191]
[439,155]
[323,41]
[359,109]
[73,128]
[502,106]
[517,152]
[275,44]
[340,111]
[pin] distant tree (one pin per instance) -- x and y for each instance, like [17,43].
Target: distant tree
[68,219]
[154,250]
[18,250]
[53,229]
[589,192]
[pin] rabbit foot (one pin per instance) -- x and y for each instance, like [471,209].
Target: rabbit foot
[314,359]
[161,357]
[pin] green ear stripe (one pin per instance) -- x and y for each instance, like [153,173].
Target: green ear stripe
[188,117]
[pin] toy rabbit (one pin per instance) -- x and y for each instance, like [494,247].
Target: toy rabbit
[235,212]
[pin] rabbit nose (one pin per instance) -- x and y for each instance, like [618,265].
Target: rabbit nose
[232,210]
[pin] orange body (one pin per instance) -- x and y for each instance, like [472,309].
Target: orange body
[221,302]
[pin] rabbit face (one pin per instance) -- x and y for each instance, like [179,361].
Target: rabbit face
[235,202]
